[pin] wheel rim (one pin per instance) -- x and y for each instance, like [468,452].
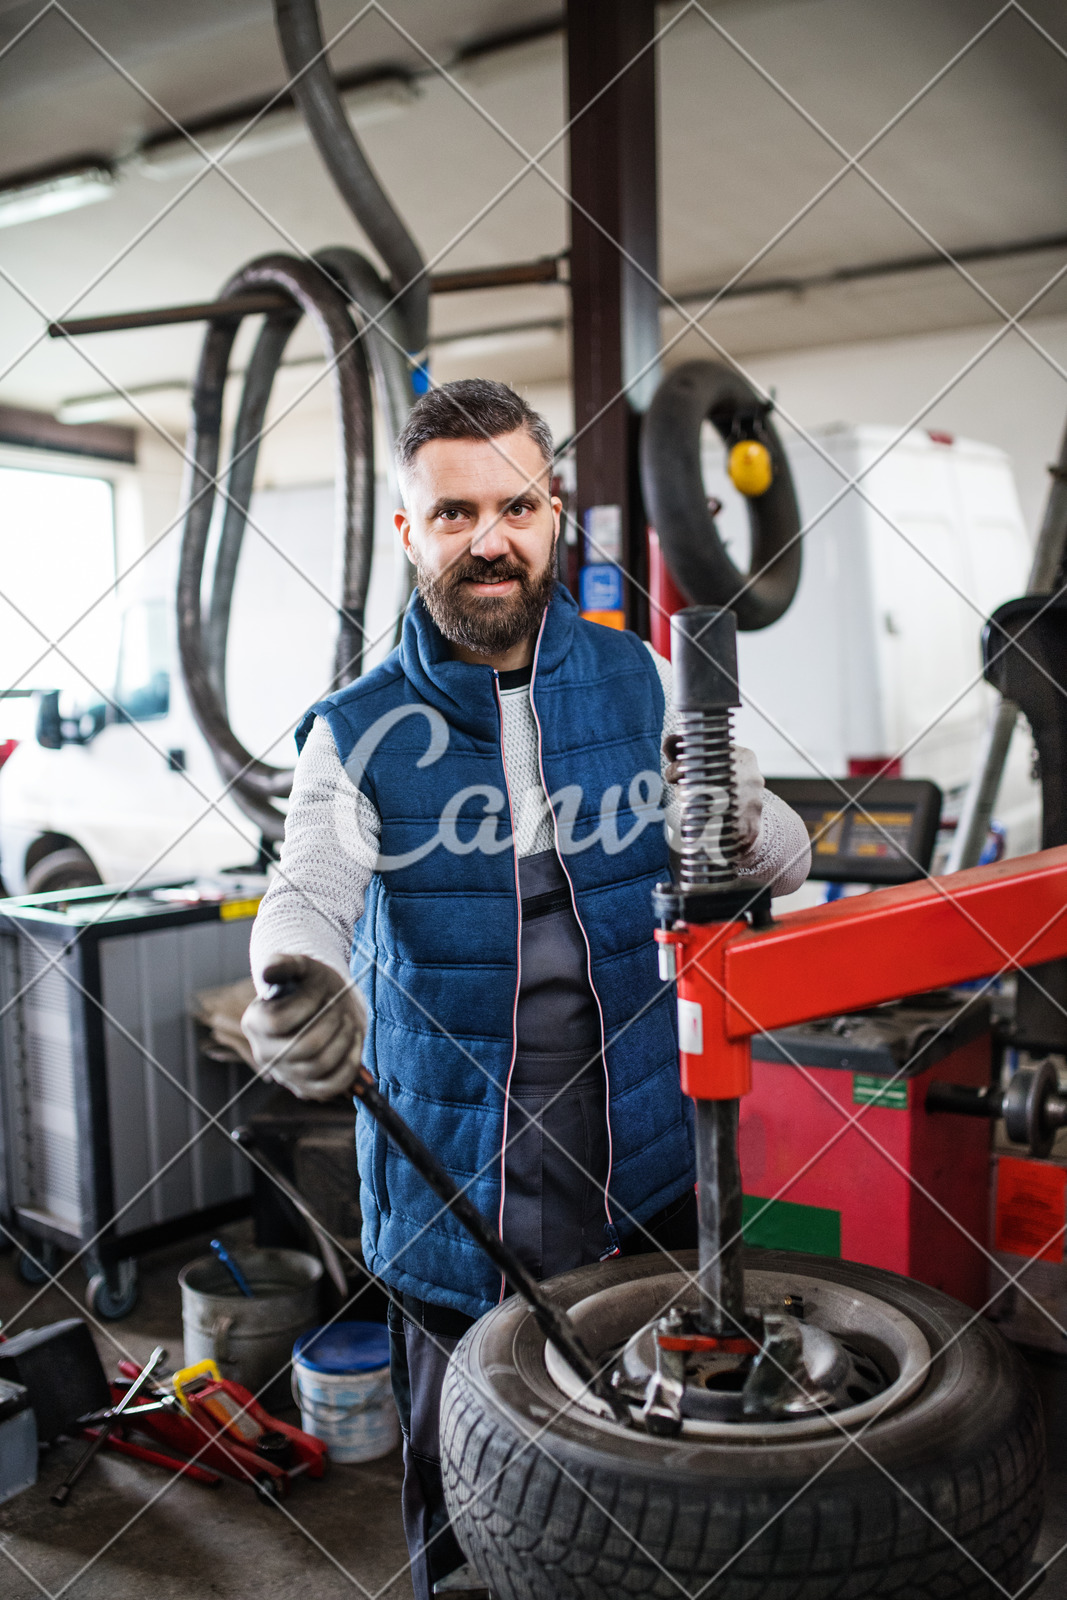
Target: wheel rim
[881,1334]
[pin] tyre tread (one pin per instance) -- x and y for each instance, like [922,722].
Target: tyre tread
[539,1526]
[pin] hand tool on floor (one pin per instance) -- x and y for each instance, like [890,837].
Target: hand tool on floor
[107,1426]
[156,1458]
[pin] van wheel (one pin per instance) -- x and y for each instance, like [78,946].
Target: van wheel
[62,869]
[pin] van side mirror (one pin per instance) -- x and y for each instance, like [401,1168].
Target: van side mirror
[54,730]
[49,728]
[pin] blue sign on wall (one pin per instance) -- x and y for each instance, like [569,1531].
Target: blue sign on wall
[601,588]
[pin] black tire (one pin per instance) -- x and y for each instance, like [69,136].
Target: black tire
[677,503]
[70,868]
[598,1512]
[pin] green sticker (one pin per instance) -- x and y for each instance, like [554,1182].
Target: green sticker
[869,1090]
[783,1225]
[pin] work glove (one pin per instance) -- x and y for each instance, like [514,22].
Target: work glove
[750,788]
[309,1039]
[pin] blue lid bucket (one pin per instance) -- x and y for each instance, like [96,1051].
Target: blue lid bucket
[341,1383]
[344,1347]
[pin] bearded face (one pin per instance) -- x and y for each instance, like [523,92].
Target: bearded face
[485,623]
[480,527]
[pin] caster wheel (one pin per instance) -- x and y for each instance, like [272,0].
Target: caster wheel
[112,1298]
[37,1264]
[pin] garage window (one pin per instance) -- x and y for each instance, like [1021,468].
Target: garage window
[57,557]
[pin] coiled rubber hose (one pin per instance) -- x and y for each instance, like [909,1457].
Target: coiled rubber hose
[366,327]
[300,35]
[677,501]
[341,294]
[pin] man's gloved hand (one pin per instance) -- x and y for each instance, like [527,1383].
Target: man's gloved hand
[311,1040]
[750,788]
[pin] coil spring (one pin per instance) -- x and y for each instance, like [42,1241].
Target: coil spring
[707,791]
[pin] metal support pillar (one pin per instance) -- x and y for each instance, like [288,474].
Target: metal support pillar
[614,262]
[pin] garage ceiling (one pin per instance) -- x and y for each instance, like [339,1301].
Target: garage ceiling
[980,161]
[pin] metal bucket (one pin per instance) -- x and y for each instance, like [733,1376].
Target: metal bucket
[251,1340]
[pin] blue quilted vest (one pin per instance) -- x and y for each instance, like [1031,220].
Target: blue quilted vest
[436,950]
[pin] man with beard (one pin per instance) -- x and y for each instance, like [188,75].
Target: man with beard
[474,832]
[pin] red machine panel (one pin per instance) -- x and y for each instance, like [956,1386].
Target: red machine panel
[899,1188]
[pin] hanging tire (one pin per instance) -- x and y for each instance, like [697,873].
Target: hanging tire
[677,502]
[69,868]
[942,1497]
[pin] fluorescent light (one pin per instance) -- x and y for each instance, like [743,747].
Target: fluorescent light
[106,407]
[495,341]
[30,201]
[506,62]
[179,158]
[277,129]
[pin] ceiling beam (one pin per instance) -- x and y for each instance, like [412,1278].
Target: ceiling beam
[39,430]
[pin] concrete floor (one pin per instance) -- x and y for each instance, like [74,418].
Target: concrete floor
[132,1532]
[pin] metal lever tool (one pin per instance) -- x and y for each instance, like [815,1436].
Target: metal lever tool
[555,1324]
[109,1423]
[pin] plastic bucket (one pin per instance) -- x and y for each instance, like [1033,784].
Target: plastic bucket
[341,1384]
[250,1339]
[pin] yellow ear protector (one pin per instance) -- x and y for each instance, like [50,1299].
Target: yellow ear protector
[748,459]
[749,466]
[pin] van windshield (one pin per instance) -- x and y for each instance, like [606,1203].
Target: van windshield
[142,685]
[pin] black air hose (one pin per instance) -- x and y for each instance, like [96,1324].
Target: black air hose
[244,453]
[389,322]
[314,90]
[381,331]
[202,649]
[677,501]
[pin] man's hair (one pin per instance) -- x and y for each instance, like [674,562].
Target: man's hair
[470,408]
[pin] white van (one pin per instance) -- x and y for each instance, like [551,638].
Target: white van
[133,793]
[110,796]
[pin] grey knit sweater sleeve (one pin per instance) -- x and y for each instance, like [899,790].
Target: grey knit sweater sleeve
[332,834]
[316,896]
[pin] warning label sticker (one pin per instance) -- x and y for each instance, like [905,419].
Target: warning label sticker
[870,1090]
[1031,1208]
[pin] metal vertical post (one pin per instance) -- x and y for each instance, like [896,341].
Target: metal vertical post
[720,1209]
[614,266]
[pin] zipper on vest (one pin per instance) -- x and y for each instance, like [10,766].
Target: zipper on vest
[614,1247]
[518,971]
